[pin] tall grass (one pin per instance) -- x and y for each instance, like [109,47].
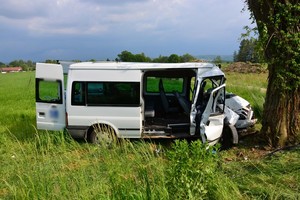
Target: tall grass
[17,104]
[274,177]
[251,87]
[54,166]
[51,165]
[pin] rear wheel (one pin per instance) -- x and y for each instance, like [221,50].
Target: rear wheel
[102,134]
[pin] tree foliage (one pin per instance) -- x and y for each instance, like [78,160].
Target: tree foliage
[174,58]
[2,64]
[51,61]
[278,25]
[26,65]
[187,58]
[161,59]
[247,51]
[218,59]
[127,56]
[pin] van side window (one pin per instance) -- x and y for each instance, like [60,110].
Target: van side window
[106,93]
[113,93]
[78,93]
[170,84]
[48,91]
[206,87]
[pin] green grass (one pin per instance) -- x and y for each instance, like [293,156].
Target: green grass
[17,91]
[50,165]
[270,177]
[251,87]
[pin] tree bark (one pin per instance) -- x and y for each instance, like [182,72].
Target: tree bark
[280,35]
[281,115]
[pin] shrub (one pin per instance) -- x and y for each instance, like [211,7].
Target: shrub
[191,169]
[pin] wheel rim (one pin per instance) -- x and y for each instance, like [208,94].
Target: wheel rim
[103,135]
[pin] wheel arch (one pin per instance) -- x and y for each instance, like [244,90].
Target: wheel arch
[106,123]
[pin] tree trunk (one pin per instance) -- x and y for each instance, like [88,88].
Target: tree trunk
[278,23]
[281,115]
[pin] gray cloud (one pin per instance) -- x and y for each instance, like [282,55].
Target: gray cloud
[15,9]
[157,26]
[87,17]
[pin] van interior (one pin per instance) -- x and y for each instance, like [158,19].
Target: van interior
[167,100]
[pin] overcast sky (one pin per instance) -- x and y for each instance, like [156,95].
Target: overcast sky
[98,29]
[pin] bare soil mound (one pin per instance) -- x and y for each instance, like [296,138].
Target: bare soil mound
[245,67]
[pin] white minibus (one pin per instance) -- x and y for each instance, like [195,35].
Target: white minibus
[103,100]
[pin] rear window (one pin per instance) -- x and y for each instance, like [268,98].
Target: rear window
[49,91]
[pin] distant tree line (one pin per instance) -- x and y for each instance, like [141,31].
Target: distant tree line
[2,64]
[248,51]
[26,65]
[126,56]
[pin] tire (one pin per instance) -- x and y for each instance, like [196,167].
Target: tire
[102,134]
[227,139]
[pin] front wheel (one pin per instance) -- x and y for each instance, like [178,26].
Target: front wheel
[229,137]
[102,134]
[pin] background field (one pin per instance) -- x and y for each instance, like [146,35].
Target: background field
[50,165]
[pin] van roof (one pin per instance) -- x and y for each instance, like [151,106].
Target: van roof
[141,66]
[203,69]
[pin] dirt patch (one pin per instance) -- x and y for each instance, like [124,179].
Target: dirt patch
[245,67]
[252,145]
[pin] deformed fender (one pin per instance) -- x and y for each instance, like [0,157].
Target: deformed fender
[235,136]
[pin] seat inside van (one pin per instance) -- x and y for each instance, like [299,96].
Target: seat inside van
[166,95]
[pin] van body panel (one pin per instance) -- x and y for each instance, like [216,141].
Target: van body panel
[212,131]
[49,71]
[126,120]
[123,66]
[50,116]
[104,75]
[210,72]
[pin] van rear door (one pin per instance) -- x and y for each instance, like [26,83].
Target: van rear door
[50,97]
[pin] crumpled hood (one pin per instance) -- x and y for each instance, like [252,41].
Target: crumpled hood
[235,102]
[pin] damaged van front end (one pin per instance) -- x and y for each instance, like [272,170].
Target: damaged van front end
[215,114]
[207,109]
[243,109]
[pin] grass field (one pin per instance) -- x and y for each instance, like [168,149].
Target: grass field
[50,165]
